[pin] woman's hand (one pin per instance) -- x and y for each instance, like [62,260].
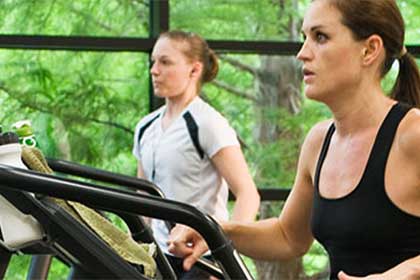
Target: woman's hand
[408,270]
[186,243]
[344,276]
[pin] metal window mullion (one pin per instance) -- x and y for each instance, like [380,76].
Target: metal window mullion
[159,22]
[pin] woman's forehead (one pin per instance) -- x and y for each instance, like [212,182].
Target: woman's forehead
[167,46]
[321,13]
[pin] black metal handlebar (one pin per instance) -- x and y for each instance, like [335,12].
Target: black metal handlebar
[104,198]
[88,172]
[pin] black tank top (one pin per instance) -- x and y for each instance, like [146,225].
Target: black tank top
[364,232]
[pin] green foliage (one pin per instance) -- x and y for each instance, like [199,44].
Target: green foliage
[58,270]
[18,268]
[277,161]
[77,109]
[389,79]
[61,17]
[315,260]
[235,20]
[249,263]
[410,10]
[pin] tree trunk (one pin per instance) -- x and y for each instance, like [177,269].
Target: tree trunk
[291,270]
[278,83]
[63,143]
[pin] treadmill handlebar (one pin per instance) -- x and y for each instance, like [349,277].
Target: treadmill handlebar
[72,168]
[104,198]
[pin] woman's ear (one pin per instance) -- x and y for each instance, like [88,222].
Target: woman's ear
[373,48]
[196,70]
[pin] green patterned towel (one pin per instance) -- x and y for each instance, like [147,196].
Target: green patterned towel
[121,242]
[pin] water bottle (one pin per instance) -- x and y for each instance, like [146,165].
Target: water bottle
[18,229]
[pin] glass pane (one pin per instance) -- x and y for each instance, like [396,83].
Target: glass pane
[239,19]
[63,17]
[83,105]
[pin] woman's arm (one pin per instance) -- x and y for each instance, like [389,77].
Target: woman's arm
[140,172]
[231,165]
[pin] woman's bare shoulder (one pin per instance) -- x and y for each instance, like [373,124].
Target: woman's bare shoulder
[312,145]
[317,133]
[408,136]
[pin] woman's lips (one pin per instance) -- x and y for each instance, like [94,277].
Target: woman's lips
[308,75]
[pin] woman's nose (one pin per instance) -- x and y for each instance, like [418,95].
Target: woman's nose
[304,52]
[154,69]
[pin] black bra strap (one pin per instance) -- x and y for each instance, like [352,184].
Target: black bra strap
[384,139]
[323,154]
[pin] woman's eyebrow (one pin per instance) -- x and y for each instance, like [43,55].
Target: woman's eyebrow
[313,28]
[159,57]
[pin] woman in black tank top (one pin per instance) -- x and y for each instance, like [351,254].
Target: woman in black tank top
[357,189]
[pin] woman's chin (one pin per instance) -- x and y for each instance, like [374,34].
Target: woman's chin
[159,93]
[310,94]
[313,94]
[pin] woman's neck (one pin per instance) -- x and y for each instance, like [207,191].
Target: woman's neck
[175,105]
[363,110]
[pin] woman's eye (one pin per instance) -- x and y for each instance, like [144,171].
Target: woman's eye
[320,37]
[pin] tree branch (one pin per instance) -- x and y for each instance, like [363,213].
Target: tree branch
[237,64]
[235,91]
[109,123]
[42,109]
[46,17]
[89,17]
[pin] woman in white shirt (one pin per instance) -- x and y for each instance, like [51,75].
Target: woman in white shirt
[186,147]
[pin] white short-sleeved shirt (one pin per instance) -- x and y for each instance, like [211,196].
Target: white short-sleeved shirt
[173,162]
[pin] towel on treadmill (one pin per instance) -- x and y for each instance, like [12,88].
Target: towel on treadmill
[121,242]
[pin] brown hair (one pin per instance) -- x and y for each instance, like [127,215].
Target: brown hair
[197,49]
[382,17]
